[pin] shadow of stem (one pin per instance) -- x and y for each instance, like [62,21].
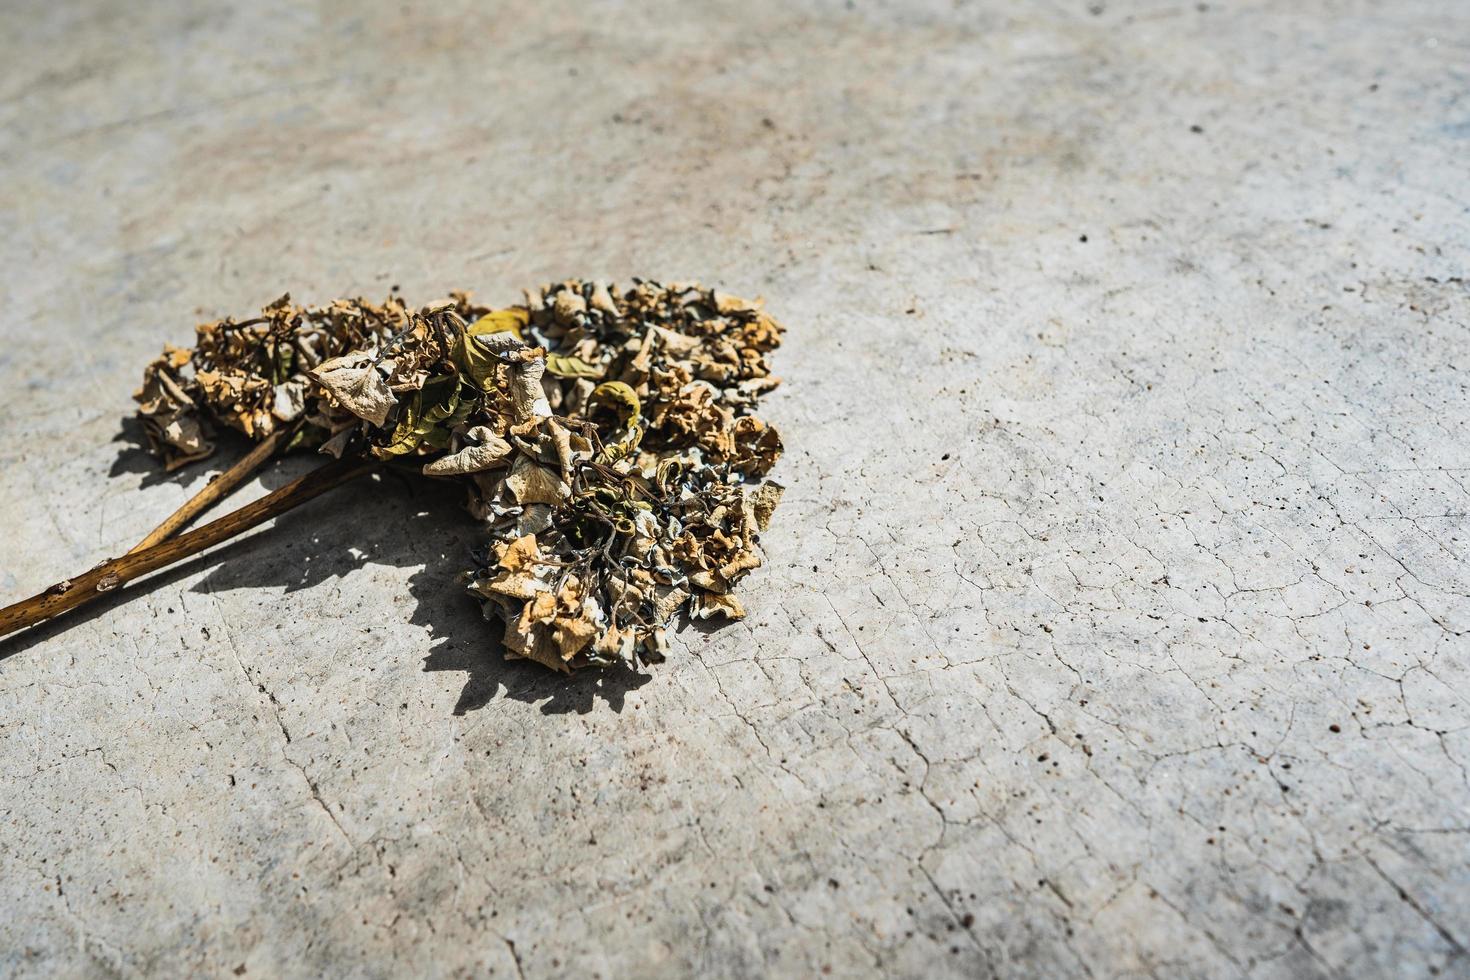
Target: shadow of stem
[387,519]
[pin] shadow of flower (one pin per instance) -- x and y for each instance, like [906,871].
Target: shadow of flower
[389,518]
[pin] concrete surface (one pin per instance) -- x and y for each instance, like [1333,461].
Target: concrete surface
[1115,620]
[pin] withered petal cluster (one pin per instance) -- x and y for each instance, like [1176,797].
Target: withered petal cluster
[605,436]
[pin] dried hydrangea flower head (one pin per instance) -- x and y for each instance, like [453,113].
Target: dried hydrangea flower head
[605,437]
[250,376]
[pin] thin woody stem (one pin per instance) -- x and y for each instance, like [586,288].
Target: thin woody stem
[114,573]
[217,488]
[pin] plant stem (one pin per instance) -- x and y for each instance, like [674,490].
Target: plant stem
[217,488]
[112,574]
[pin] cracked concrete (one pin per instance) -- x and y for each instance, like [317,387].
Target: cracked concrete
[1115,619]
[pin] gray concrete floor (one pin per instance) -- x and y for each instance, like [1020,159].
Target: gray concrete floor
[1115,620]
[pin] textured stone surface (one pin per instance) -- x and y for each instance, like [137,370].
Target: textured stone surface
[1115,620]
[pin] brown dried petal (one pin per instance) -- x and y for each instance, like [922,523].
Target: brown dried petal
[763,502]
[712,604]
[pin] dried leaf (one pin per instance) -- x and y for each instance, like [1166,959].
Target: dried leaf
[484,451]
[531,483]
[512,321]
[569,366]
[353,380]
